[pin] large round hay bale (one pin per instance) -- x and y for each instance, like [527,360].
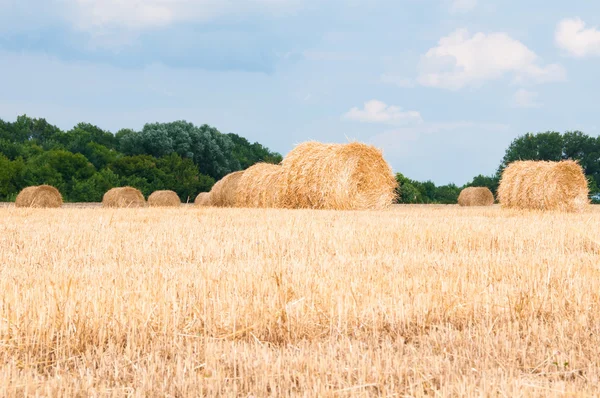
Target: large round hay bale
[123,197]
[261,185]
[41,196]
[476,196]
[223,193]
[337,176]
[544,185]
[164,199]
[203,199]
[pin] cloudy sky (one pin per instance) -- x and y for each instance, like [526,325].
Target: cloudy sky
[442,86]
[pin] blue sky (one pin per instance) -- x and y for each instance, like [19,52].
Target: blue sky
[441,86]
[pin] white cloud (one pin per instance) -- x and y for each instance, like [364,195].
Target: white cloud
[526,99]
[397,81]
[463,5]
[462,60]
[94,15]
[572,36]
[378,112]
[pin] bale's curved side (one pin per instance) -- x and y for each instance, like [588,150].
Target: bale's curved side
[261,185]
[40,196]
[203,199]
[349,176]
[544,185]
[123,197]
[164,198]
[476,196]
[224,192]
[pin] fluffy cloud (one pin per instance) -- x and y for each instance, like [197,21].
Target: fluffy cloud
[526,99]
[572,36]
[91,15]
[378,112]
[462,60]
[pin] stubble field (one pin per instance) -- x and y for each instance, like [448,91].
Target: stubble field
[411,301]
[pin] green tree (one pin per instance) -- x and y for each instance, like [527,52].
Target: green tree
[11,178]
[58,168]
[447,194]
[407,192]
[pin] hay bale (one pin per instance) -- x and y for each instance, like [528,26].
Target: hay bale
[123,197]
[476,196]
[337,176]
[261,185]
[40,196]
[224,192]
[203,199]
[164,199]
[544,185]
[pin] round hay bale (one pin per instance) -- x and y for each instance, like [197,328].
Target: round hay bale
[164,199]
[224,192]
[123,197]
[544,185]
[476,196]
[40,196]
[351,176]
[203,199]
[261,185]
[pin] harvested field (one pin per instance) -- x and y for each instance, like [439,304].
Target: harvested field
[269,302]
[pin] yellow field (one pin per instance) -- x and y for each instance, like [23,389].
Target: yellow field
[417,300]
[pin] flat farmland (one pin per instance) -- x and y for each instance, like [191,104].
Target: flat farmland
[411,301]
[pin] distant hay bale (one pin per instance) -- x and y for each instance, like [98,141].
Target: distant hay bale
[544,185]
[164,199]
[203,199]
[261,185]
[41,196]
[123,197]
[476,196]
[224,192]
[351,176]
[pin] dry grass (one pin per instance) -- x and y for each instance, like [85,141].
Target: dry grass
[239,302]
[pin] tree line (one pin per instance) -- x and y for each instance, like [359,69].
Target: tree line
[549,145]
[86,161]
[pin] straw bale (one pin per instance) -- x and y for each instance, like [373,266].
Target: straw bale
[544,185]
[41,196]
[123,197]
[164,199]
[224,192]
[349,176]
[203,199]
[261,185]
[476,196]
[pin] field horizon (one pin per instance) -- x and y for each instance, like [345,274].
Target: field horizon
[417,300]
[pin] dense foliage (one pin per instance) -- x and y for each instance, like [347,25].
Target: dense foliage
[86,161]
